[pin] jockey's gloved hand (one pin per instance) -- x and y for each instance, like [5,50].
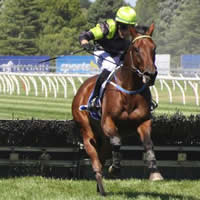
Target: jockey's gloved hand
[88,47]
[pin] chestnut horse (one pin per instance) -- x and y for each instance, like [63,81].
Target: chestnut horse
[125,107]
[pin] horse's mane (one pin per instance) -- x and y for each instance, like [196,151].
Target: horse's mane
[141,29]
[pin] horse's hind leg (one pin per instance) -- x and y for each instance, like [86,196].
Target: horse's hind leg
[144,131]
[90,145]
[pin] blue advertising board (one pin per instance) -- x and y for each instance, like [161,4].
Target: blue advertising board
[76,65]
[23,63]
[190,61]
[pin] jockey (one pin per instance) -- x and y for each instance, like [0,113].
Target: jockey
[112,37]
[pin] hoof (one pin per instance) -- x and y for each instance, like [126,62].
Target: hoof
[100,187]
[101,192]
[155,176]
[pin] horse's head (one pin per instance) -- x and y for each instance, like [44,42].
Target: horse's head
[141,54]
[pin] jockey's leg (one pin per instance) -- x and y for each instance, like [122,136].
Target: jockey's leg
[153,104]
[106,63]
[101,78]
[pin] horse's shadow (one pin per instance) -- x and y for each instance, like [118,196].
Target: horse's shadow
[135,195]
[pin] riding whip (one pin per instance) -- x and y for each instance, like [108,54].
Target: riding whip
[72,53]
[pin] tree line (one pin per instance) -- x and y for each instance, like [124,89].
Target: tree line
[40,27]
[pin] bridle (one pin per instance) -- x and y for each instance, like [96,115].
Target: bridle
[135,69]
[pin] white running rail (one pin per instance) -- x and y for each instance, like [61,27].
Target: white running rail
[47,84]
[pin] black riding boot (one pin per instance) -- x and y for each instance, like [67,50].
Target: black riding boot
[153,104]
[102,77]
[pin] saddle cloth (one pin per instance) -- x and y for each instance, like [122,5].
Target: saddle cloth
[96,113]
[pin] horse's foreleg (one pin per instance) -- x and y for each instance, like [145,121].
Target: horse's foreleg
[144,131]
[116,155]
[110,130]
[91,149]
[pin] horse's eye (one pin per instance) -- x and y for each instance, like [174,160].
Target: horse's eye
[154,50]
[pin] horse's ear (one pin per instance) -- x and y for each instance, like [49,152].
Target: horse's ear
[133,31]
[151,29]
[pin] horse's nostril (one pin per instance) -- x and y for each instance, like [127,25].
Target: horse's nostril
[148,73]
[149,77]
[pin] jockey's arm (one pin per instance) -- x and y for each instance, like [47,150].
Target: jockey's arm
[84,41]
[98,32]
[85,37]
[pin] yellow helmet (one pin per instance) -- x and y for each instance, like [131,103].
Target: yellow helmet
[126,15]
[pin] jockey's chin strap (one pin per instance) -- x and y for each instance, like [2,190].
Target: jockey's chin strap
[132,65]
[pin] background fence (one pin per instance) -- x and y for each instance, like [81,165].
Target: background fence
[49,95]
[47,84]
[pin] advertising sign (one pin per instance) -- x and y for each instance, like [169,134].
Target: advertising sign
[87,65]
[190,61]
[76,65]
[23,64]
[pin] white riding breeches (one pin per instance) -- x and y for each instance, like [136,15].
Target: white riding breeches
[105,61]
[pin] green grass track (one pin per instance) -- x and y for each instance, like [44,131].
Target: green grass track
[38,188]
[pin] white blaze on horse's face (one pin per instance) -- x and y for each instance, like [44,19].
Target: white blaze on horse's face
[145,79]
